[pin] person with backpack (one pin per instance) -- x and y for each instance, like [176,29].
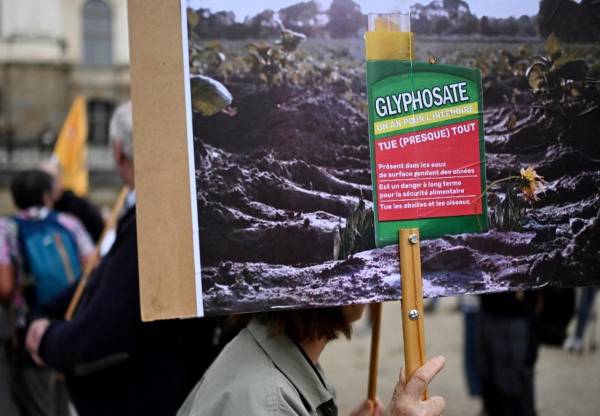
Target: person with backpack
[42,252]
[113,362]
[65,200]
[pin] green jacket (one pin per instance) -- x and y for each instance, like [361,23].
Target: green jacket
[260,375]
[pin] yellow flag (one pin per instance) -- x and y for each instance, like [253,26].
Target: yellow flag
[71,148]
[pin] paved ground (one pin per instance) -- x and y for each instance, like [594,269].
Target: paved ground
[566,384]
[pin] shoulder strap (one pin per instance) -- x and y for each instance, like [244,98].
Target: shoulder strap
[53,218]
[20,223]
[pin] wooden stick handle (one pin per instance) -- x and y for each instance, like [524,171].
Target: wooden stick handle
[95,256]
[413,330]
[375,309]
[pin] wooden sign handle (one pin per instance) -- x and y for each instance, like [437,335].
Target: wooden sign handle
[94,259]
[413,330]
[375,310]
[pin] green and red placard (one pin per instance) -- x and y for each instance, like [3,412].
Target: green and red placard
[427,149]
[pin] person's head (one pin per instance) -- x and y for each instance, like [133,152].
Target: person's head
[52,168]
[32,188]
[309,324]
[121,137]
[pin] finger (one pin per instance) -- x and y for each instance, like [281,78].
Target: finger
[364,409]
[415,387]
[36,358]
[435,406]
[400,385]
[378,407]
[30,341]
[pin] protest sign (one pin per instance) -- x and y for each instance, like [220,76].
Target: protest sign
[427,148]
[253,172]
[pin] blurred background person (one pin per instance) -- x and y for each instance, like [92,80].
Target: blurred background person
[41,253]
[508,351]
[469,305]
[114,363]
[65,200]
[585,311]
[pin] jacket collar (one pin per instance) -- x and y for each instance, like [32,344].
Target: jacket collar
[37,213]
[287,357]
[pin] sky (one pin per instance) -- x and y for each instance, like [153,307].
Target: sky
[493,8]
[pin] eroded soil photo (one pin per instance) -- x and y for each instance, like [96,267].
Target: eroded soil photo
[279,173]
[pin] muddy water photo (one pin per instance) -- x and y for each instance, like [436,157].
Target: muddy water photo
[281,150]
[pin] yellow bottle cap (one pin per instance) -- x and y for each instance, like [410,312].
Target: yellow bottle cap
[389,37]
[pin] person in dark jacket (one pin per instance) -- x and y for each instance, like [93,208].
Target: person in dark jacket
[113,362]
[507,353]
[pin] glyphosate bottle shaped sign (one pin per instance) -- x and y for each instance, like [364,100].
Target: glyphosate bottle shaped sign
[426,138]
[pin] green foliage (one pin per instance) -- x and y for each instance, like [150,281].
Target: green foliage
[192,19]
[271,62]
[290,40]
[506,212]
[556,74]
[207,59]
[208,95]
[358,235]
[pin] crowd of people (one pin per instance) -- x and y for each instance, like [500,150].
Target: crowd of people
[108,360]
[502,336]
[105,360]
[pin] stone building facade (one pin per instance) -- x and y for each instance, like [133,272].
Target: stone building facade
[53,50]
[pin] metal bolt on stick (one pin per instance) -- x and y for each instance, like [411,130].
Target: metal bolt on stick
[413,314]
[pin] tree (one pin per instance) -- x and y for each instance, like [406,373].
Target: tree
[570,21]
[526,26]
[421,25]
[466,25]
[217,24]
[301,17]
[486,28]
[263,25]
[508,27]
[441,25]
[345,19]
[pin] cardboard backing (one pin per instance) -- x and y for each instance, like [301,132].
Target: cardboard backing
[164,213]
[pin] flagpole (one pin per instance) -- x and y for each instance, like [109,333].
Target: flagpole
[94,259]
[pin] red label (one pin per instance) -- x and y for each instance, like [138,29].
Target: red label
[429,173]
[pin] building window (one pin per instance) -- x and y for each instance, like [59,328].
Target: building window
[99,113]
[97,33]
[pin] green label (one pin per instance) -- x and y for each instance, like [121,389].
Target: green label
[427,149]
